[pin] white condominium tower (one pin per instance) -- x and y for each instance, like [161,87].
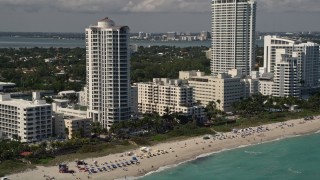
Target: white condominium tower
[286,82]
[308,58]
[108,72]
[233,35]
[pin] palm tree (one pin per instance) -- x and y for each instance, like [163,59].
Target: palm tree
[211,109]
[96,128]
[269,103]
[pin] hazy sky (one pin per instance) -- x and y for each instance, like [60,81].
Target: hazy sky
[148,15]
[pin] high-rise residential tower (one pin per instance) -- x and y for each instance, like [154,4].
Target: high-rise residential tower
[108,72]
[233,35]
[308,58]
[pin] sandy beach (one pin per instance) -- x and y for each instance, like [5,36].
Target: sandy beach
[171,153]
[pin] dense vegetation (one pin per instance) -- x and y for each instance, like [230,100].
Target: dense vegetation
[28,69]
[259,104]
[65,68]
[159,62]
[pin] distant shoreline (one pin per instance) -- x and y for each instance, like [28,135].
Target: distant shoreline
[47,42]
[180,152]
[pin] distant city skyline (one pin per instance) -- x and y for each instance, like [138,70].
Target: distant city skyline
[148,15]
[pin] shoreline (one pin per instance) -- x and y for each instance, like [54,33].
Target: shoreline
[216,152]
[179,152]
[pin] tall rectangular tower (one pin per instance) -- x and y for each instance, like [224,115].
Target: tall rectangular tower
[233,35]
[108,72]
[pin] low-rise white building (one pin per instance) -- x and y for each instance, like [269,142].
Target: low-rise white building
[168,96]
[61,103]
[67,93]
[66,125]
[266,84]
[58,108]
[4,86]
[223,89]
[27,120]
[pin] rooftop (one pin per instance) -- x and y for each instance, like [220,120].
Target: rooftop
[21,103]
[67,92]
[61,100]
[7,83]
[74,118]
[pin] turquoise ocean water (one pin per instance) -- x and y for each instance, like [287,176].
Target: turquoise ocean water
[296,158]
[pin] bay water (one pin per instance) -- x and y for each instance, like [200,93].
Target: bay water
[296,158]
[25,42]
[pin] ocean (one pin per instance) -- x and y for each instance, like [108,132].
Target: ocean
[295,158]
[24,42]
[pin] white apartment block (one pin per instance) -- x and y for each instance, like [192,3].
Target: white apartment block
[108,72]
[29,120]
[168,96]
[233,35]
[68,111]
[266,84]
[271,44]
[223,89]
[66,125]
[74,124]
[307,54]
[82,97]
[286,81]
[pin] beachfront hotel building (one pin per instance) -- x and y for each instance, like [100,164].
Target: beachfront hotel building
[165,96]
[29,121]
[65,126]
[222,89]
[266,84]
[108,72]
[233,35]
[307,57]
[286,81]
